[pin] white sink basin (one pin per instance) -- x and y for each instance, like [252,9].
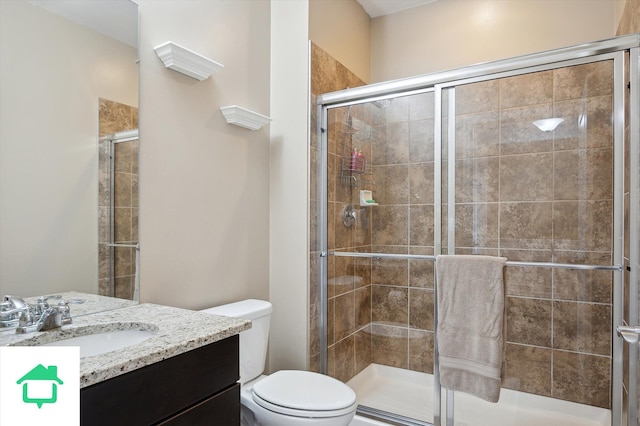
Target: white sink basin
[108,341]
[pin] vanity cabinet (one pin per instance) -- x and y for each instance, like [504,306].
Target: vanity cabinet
[198,387]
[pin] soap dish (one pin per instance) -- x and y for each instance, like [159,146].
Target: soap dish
[366,198]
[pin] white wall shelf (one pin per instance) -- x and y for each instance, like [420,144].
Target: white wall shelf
[244,118]
[186,61]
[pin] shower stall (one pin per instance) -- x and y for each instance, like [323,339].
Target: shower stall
[118,245]
[535,159]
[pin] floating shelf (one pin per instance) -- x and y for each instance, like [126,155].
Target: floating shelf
[187,62]
[243,117]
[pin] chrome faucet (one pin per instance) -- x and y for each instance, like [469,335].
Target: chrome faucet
[11,309]
[41,317]
[49,317]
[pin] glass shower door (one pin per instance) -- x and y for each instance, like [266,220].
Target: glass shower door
[380,195]
[530,162]
[527,163]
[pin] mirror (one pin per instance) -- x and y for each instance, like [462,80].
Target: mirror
[56,75]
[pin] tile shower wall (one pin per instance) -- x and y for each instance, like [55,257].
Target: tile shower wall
[378,311]
[349,280]
[116,117]
[402,290]
[520,193]
[543,196]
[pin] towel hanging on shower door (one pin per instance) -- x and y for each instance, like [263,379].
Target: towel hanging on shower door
[470,332]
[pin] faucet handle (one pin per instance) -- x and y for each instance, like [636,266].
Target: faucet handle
[26,318]
[14,302]
[41,305]
[11,309]
[65,311]
[45,317]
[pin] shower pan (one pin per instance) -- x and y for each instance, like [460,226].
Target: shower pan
[118,216]
[459,163]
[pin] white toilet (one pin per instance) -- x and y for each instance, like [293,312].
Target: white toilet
[287,397]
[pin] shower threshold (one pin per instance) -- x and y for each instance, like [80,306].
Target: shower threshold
[409,394]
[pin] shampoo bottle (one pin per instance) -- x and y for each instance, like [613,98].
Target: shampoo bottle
[354,160]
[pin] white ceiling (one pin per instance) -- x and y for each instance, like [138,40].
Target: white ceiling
[115,18]
[377,8]
[119,18]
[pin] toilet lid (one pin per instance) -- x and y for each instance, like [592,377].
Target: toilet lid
[304,391]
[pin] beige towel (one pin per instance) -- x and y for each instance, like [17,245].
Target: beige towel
[470,324]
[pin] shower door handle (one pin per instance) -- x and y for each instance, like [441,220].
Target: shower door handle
[631,334]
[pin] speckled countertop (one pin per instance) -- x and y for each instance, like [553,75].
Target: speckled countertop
[84,303]
[176,331]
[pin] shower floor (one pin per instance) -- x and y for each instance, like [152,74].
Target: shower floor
[409,393]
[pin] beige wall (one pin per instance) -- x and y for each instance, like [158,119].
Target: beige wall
[50,82]
[289,186]
[343,29]
[454,33]
[204,193]
[619,9]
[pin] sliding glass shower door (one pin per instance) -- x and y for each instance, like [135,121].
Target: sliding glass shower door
[522,159]
[534,179]
[380,204]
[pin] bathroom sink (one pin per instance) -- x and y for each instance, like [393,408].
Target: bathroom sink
[100,343]
[96,340]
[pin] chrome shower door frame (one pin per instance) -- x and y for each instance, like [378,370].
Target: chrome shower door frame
[618,59]
[633,413]
[612,49]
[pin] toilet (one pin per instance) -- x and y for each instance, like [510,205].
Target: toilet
[286,397]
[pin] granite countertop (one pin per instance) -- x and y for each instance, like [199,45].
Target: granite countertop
[176,331]
[84,303]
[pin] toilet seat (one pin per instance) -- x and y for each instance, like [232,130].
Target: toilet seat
[304,394]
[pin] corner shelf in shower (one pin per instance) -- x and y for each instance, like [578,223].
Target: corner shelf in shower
[186,61]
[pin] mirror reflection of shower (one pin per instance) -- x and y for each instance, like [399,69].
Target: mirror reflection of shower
[118,216]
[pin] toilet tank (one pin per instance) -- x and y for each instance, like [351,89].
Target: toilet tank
[253,342]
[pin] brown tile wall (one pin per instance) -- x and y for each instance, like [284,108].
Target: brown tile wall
[402,290]
[116,117]
[350,288]
[544,196]
[521,193]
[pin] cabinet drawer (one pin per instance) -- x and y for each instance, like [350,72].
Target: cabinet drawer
[161,390]
[222,409]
